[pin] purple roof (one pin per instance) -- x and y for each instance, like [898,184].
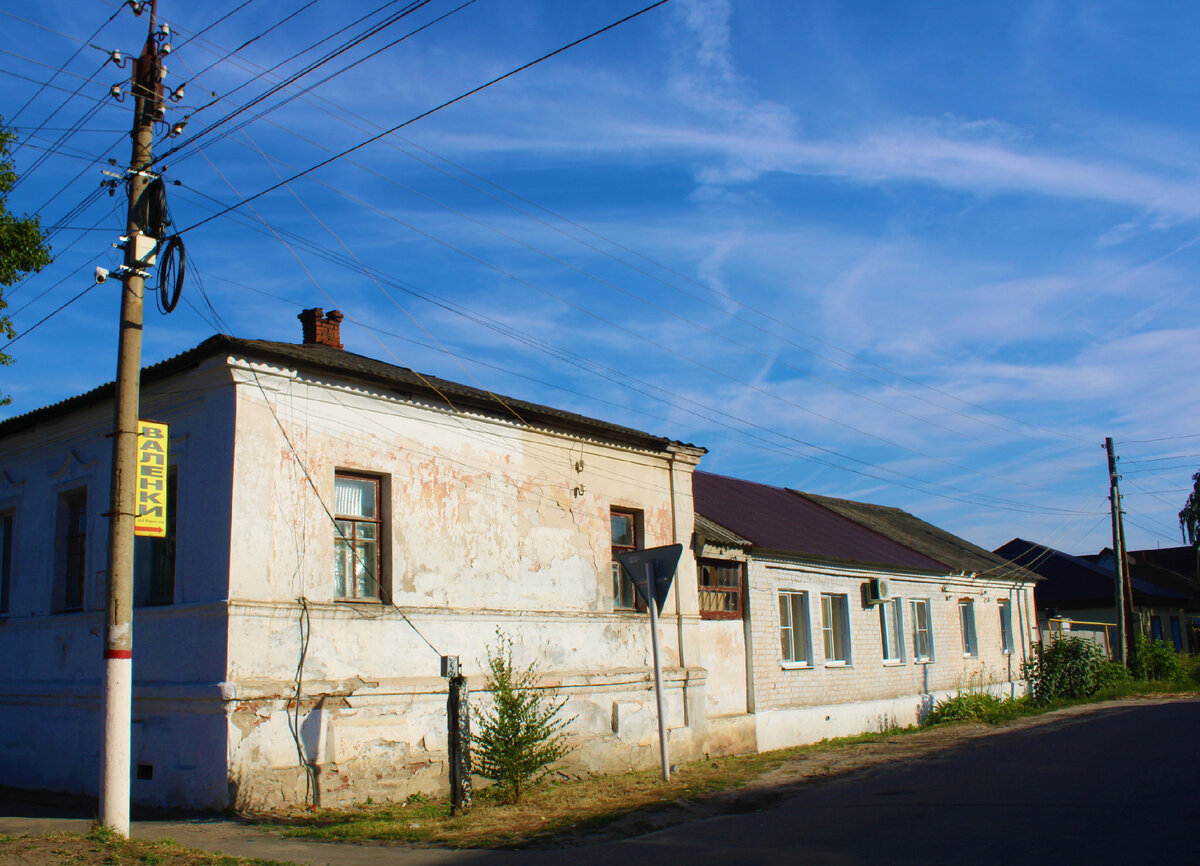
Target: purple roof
[774,518]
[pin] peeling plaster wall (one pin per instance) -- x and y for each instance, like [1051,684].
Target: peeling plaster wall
[488,525]
[50,703]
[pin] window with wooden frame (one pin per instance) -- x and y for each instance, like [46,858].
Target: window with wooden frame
[722,589]
[72,523]
[356,536]
[626,536]
[154,558]
[6,541]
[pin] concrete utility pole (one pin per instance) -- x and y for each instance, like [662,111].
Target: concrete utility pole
[118,632]
[1124,638]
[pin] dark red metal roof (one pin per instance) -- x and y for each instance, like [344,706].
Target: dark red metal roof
[774,518]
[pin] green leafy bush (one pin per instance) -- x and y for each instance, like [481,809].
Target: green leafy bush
[522,735]
[1155,660]
[1110,675]
[1065,669]
[974,707]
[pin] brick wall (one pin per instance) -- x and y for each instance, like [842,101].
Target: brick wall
[866,676]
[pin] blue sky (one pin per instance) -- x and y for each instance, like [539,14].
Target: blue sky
[926,255]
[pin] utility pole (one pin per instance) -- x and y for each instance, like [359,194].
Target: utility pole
[118,631]
[1124,636]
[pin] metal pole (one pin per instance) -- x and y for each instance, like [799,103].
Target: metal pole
[658,689]
[118,631]
[1114,497]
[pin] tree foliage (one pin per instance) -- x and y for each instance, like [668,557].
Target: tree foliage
[1189,517]
[522,735]
[23,247]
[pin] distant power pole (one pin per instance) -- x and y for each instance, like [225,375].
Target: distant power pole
[118,632]
[1122,591]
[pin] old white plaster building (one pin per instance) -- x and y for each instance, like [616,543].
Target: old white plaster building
[339,523]
[464,512]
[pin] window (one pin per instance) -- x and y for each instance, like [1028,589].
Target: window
[835,628]
[922,630]
[356,539]
[1156,628]
[154,558]
[72,548]
[6,539]
[793,628]
[720,589]
[1176,634]
[625,537]
[966,615]
[891,630]
[1006,643]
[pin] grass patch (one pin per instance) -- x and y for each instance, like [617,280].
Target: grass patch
[102,846]
[563,810]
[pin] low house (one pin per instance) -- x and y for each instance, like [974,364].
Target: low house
[338,524]
[1176,617]
[1077,595]
[852,617]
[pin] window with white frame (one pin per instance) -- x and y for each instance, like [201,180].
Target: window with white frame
[356,537]
[966,616]
[835,628]
[1006,643]
[922,617]
[793,628]
[891,630]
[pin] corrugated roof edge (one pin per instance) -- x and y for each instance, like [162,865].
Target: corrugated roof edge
[720,535]
[401,379]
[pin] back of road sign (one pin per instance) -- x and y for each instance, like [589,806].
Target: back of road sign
[662,562]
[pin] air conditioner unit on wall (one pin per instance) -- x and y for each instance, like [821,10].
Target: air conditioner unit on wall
[878,590]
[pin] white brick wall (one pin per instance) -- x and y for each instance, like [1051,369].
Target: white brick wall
[867,678]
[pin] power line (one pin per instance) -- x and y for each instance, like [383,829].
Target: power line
[430,111]
[83,44]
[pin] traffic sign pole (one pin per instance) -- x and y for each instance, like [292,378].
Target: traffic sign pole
[658,689]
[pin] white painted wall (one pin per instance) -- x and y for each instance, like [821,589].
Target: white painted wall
[491,525]
[51,688]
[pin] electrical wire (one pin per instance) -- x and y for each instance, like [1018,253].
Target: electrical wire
[428,112]
[83,44]
[300,93]
[34,326]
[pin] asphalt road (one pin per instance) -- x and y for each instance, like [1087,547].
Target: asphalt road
[1114,786]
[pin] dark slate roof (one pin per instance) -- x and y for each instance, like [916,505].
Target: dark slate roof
[925,538]
[1143,568]
[1181,560]
[776,519]
[400,381]
[1074,582]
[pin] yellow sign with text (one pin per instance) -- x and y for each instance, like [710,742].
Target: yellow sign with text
[151,511]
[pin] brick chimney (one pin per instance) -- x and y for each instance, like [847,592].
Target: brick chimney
[320,329]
